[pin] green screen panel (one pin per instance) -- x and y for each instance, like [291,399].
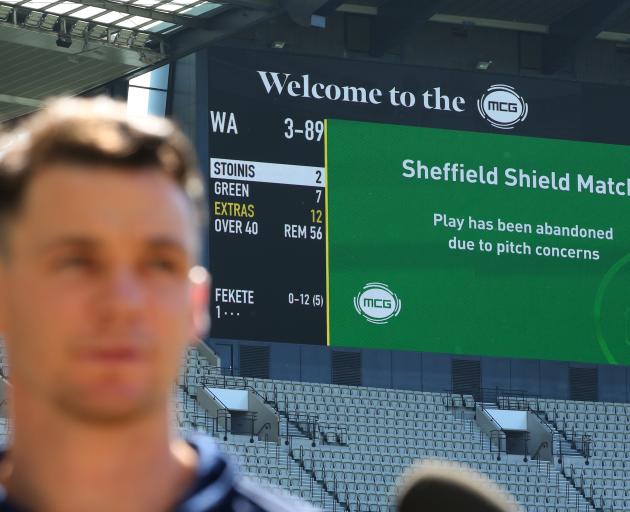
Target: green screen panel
[474,243]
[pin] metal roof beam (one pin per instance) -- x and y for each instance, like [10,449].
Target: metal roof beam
[329,7]
[397,19]
[265,5]
[19,100]
[470,21]
[46,40]
[617,37]
[579,27]
[177,19]
[218,27]
[310,13]
[352,8]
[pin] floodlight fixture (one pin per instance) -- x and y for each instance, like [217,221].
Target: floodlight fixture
[318,21]
[64,40]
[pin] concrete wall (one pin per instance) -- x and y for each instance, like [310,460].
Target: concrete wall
[208,402]
[267,420]
[267,423]
[539,433]
[212,357]
[487,425]
[422,371]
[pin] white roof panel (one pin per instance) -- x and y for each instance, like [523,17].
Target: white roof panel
[133,22]
[200,8]
[169,7]
[157,26]
[146,3]
[87,12]
[111,17]
[38,4]
[146,24]
[63,7]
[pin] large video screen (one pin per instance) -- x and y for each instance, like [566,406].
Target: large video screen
[474,243]
[269,220]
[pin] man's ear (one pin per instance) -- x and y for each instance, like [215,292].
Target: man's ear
[200,301]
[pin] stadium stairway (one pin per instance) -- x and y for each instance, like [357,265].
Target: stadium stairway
[290,430]
[273,465]
[605,474]
[359,474]
[384,431]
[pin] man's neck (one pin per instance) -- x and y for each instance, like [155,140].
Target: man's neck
[57,463]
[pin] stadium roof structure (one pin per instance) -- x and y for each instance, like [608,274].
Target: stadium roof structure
[50,47]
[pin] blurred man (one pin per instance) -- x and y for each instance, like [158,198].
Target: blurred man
[438,485]
[99,226]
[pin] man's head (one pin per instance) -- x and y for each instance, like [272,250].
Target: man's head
[98,236]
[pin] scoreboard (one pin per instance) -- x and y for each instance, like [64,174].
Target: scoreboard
[267,210]
[272,240]
[267,249]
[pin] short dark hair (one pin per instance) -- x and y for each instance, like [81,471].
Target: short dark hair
[98,132]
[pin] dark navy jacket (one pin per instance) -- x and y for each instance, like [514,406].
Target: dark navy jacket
[218,488]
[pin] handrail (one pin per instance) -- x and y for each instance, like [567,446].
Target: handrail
[332,487]
[587,443]
[499,438]
[222,412]
[251,415]
[265,426]
[526,438]
[543,420]
[580,441]
[555,434]
[493,395]
[307,423]
[226,415]
[256,392]
[542,445]
[331,433]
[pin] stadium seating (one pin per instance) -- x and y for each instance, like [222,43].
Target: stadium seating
[367,436]
[606,473]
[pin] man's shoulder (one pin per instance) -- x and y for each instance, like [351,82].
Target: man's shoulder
[268,499]
[220,487]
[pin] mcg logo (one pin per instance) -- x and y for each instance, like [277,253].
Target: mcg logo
[377,303]
[502,106]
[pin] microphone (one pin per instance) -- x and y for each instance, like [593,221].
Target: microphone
[447,487]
